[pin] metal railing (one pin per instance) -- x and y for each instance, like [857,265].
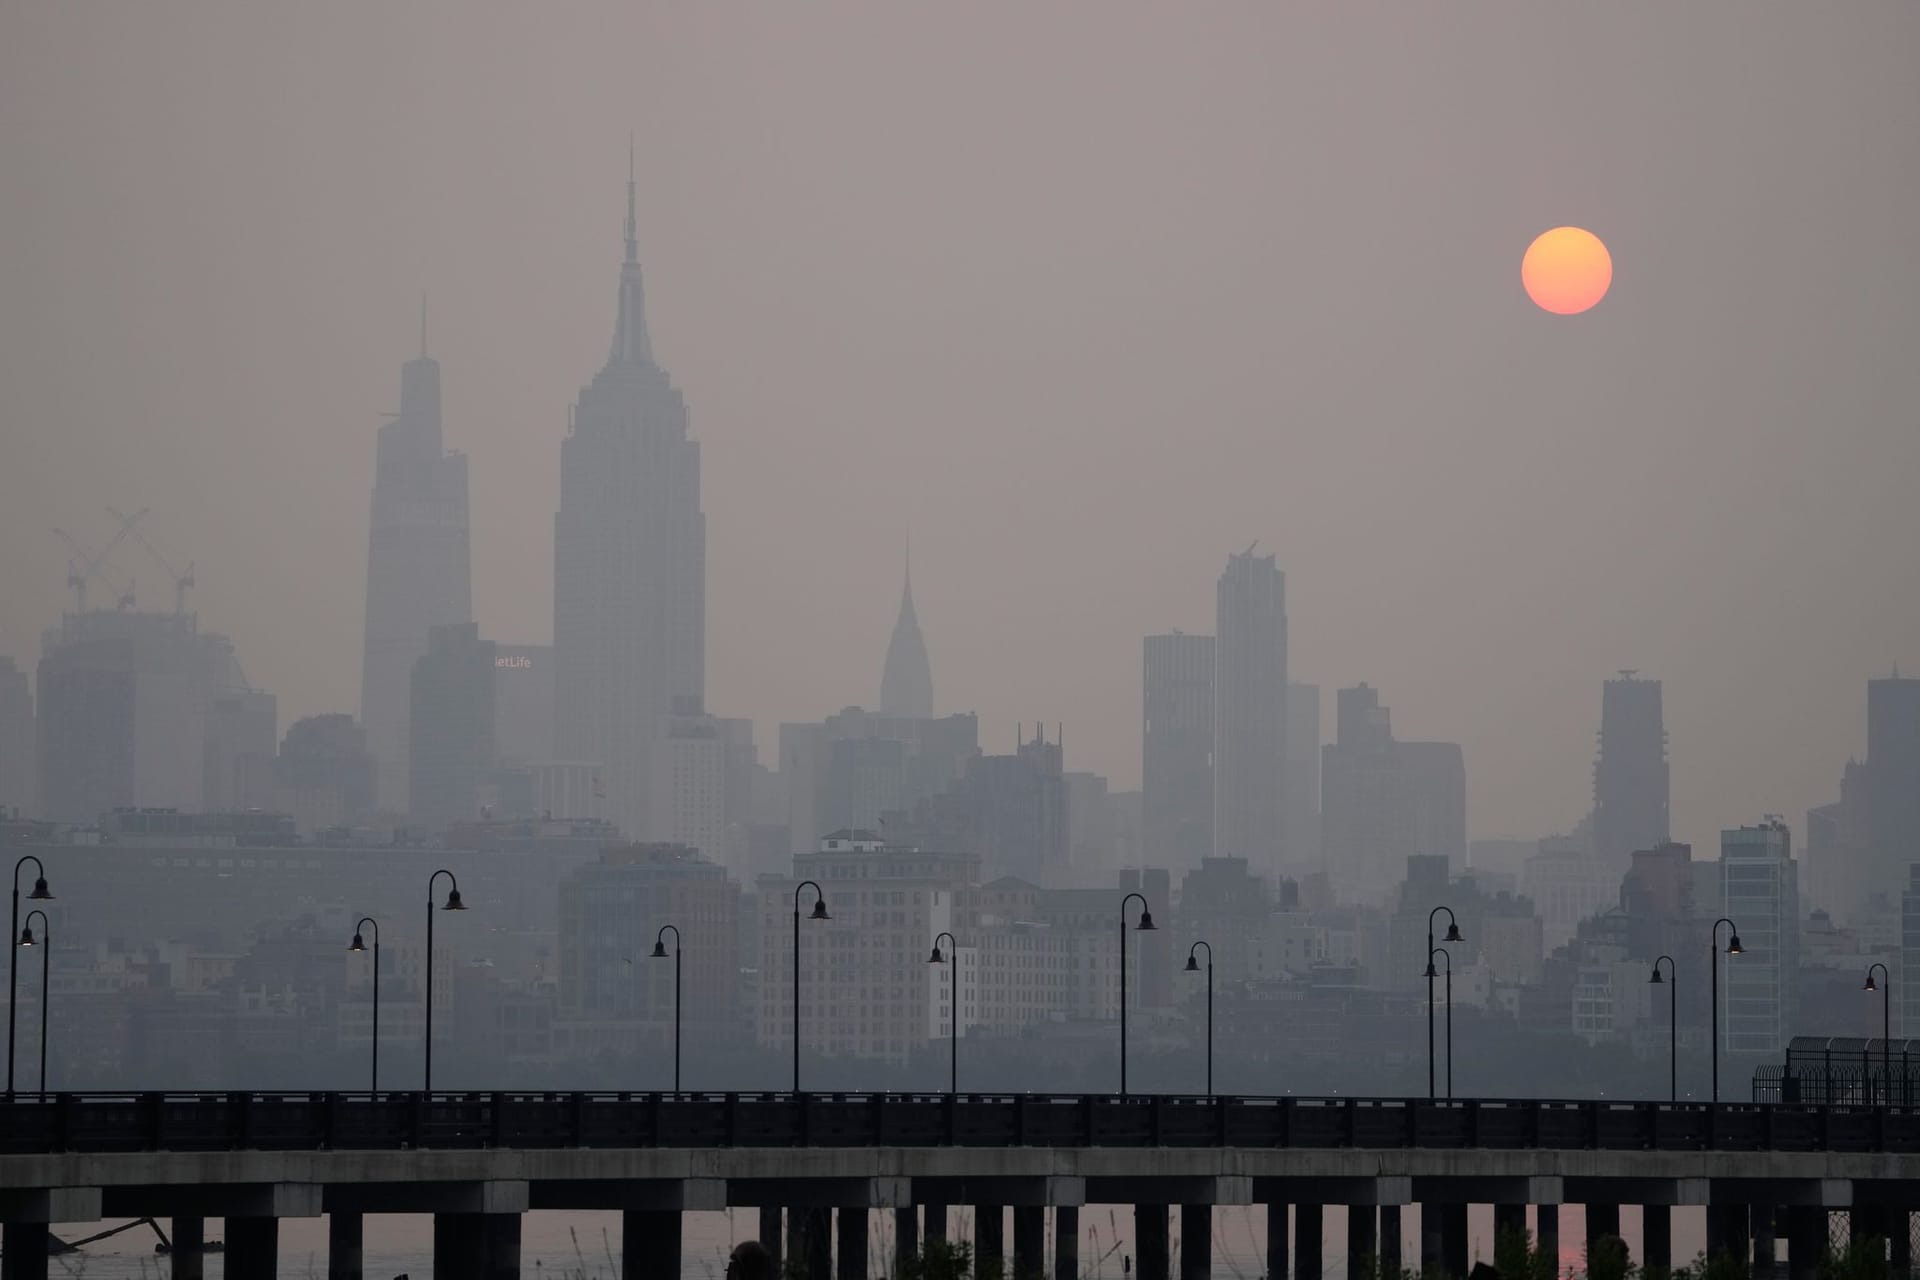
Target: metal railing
[269,1121]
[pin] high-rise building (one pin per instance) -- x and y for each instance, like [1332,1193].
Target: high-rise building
[689,805]
[1630,777]
[1303,775]
[611,910]
[1760,893]
[1892,779]
[1176,749]
[523,702]
[630,555]
[1250,715]
[419,572]
[17,785]
[850,770]
[242,733]
[451,735]
[1384,800]
[906,685]
[1010,810]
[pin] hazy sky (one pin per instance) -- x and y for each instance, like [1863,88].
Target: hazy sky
[1084,295]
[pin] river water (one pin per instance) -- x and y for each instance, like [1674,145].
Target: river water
[586,1246]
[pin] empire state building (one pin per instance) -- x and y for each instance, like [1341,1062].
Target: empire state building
[630,563]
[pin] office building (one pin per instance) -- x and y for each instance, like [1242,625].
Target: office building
[419,573]
[1384,800]
[849,771]
[630,553]
[1176,790]
[1250,714]
[18,787]
[906,683]
[1303,776]
[1761,895]
[451,735]
[1009,810]
[523,702]
[611,911]
[1630,777]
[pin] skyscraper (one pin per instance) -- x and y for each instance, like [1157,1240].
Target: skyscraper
[1385,800]
[1630,778]
[17,783]
[906,685]
[630,561]
[1760,891]
[451,737]
[1176,748]
[419,573]
[1250,714]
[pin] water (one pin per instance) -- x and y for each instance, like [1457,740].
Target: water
[586,1246]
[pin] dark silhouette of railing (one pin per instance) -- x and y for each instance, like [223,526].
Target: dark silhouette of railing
[126,1122]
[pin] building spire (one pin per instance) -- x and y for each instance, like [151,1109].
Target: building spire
[630,342]
[633,234]
[423,324]
[906,682]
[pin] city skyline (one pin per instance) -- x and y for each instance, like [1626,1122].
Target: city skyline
[1635,584]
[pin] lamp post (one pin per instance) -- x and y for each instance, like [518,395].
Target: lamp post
[39,894]
[453,904]
[1886,1029]
[819,913]
[358,945]
[953,1008]
[1193,966]
[1672,983]
[660,953]
[1453,935]
[1146,922]
[1713,1003]
[1444,954]
[46,964]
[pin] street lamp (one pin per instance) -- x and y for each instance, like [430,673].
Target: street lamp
[1672,981]
[1443,953]
[1713,1004]
[1146,922]
[1193,966]
[819,913]
[953,1003]
[1453,935]
[358,945]
[453,903]
[46,964]
[1886,1027]
[660,953]
[39,894]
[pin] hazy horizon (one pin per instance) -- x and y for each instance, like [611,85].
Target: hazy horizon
[1080,299]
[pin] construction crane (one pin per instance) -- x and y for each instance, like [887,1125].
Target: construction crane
[87,565]
[181,581]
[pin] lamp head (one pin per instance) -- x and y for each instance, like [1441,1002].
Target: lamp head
[1431,971]
[26,936]
[936,957]
[1871,985]
[453,901]
[820,910]
[356,944]
[1453,933]
[1733,945]
[1656,979]
[1193,963]
[40,891]
[1146,919]
[659,949]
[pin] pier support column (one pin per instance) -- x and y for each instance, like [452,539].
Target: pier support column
[189,1256]
[906,1236]
[1603,1220]
[1152,1243]
[1390,1241]
[1806,1240]
[1029,1240]
[1900,1241]
[1546,1232]
[1508,1220]
[1277,1251]
[853,1243]
[1308,1254]
[1766,1248]
[989,1235]
[1196,1242]
[819,1247]
[1656,1240]
[1865,1222]
[770,1234]
[935,1226]
[23,1251]
[1363,1242]
[1727,1229]
[649,1243]
[500,1246]
[345,1248]
[1066,1242]
[253,1248]
[1453,1240]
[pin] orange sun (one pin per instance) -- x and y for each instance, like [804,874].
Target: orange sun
[1566,270]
